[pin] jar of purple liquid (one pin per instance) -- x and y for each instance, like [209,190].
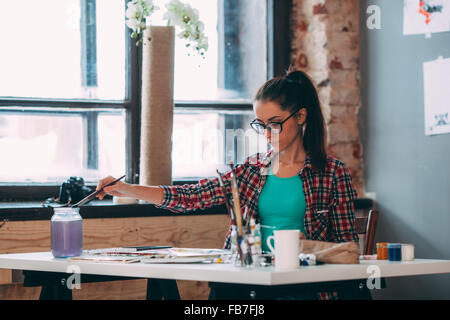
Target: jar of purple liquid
[66,232]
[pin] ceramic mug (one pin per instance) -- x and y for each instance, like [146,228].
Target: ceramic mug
[286,249]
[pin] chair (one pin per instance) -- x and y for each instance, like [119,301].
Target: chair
[366,224]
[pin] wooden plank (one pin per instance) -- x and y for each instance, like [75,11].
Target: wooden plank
[199,231]
[181,231]
[16,291]
[5,276]
[114,290]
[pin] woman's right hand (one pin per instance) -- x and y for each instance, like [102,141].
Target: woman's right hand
[118,189]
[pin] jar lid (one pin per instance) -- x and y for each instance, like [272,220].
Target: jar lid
[65,209]
[394,245]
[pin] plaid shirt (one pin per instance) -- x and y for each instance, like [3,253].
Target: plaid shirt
[329,196]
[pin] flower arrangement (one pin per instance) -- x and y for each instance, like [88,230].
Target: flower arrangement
[178,14]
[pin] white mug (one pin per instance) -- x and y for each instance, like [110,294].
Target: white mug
[287,248]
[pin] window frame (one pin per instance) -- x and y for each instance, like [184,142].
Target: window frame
[278,57]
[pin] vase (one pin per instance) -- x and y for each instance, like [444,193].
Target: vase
[158,49]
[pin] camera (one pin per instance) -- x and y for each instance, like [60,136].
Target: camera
[74,190]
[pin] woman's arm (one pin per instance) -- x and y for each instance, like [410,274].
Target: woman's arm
[181,198]
[152,194]
[205,194]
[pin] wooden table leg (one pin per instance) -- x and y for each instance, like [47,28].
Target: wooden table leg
[157,289]
[347,290]
[54,285]
[55,291]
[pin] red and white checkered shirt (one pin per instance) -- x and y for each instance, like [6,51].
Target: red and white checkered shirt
[329,196]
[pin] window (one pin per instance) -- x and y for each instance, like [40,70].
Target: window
[236,61]
[206,140]
[68,49]
[69,89]
[46,144]
[225,81]
[64,90]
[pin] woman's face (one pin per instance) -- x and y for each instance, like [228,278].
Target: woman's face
[269,111]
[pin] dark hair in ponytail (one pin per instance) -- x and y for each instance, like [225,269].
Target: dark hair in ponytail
[294,92]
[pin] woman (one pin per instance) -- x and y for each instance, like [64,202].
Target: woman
[294,185]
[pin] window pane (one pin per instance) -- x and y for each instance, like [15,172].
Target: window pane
[235,63]
[71,49]
[204,141]
[50,146]
[112,137]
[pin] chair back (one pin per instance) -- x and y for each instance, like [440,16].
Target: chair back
[366,223]
[367,226]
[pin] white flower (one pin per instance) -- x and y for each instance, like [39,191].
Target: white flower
[148,3]
[132,24]
[173,18]
[180,15]
[134,15]
[200,26]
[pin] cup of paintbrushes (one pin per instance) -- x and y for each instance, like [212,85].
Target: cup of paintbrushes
[231,209]
[236,203]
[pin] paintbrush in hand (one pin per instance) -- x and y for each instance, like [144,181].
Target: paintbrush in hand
[94,194]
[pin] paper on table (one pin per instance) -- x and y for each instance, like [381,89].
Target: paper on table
[176,260]
[197,252]
[126,251]
[100,258]
[187,255]
[436,76]
[166,255]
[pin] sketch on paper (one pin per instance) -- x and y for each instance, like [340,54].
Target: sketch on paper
[436,76]
[426,16]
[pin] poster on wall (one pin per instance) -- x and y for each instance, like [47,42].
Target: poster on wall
[436,76]
[426,16]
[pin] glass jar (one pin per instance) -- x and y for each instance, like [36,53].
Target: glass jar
[382,251]
[407,252]
[395,251]
[66,232]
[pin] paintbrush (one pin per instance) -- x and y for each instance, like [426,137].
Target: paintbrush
[233,218]
[94,194]
[236,202]
[227,201]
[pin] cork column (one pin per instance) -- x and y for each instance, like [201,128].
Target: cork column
[157,106]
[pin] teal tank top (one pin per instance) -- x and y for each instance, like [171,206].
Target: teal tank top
[281,206]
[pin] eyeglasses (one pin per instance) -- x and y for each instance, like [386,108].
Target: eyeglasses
[273,127]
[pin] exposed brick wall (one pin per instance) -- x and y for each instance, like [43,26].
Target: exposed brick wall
[325,35]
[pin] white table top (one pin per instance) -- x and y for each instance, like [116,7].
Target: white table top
[44,261]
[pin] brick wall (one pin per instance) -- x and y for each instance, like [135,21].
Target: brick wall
[325,35]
